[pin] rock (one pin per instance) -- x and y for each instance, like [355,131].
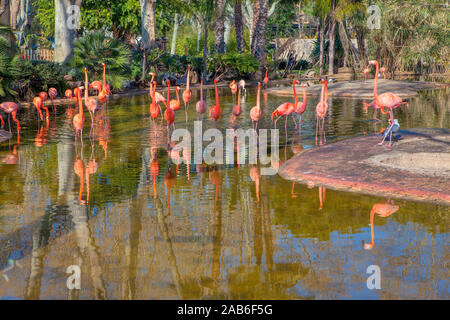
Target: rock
[310,73]
[68,77]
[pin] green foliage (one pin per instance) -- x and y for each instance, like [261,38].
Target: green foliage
[37,76]
[8,64]
[94,48]
[232,64]
[45,14]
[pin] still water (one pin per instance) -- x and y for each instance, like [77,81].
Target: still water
[141,227]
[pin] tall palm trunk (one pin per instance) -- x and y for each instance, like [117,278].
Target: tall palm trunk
[259,35]
[219,44]
[238,23]
[176,24]
[331,46]
[322,44]
[360,34]
[205,48]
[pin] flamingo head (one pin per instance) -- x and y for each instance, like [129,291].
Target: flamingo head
[103,64]
[368,246]
[189,67]
[216,80]
[294,82]
[373,62]
[303,86]
[275,113]
[168,82]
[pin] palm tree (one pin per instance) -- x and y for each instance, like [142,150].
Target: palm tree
[239,25]
[219,44]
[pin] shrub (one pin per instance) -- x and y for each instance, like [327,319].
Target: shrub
[8,64]
[232,64]
[94,48]
[37,76]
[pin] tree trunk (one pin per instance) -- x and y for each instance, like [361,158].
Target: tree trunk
[259,35]
[4,13]
[15,6]
[361,46]
[22,20]
[148,31]
[148,23]
[322,44]
[256,13]
[63,35]
[219,44]
[239,26]
[331,46]
[344,41]
[205,48]
[226,36]
[174,35]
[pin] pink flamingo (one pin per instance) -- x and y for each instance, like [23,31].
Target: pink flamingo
[255,112]
[301,108]
[237,110]
[53,93]
[154,110]
[366,72]
[201,105]
[383,71]
[10,108]
[266,79]
[96,85]
[38,103]
[169,114]
[106,89]
[175,104]
[91,103]
[386,100]
[286,109]
[321,111]
[215,111]
[384,210]
[78,119]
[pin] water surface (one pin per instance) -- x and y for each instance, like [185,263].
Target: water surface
[141,227]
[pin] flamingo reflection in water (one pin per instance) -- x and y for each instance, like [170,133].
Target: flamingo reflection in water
[384,210]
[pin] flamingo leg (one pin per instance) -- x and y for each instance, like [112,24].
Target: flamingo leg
[317,126]
[3,122]
[300,125]
[295,121]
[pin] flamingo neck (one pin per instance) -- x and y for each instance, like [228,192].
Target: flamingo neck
[326,91]
[104,75]
[321,93]
[176,90]
[239,97]
[376,81]
[201,90]
[80,102]
[267,70]
[86,86]
[187,82]
[168,95]
[258,98]
[217,95]
[295,94]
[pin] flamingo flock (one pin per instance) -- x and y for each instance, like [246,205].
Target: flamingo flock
[385,102]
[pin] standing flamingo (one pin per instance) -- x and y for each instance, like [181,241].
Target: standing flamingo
[286,109]
[53,93]
[37,101]
[201,105]
[255,112]
[154,109]
[387,100]
[366,72]
[78,119]
[237,110]
[215,111]
[383,71]
[321,112]
[242,85]
[266,79]
[384,210]
[187,93]
[175,104]
[10,108]
[300,109]
[169,114]
[43,96]
[91,103]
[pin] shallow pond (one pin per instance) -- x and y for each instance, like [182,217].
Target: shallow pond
[141,227]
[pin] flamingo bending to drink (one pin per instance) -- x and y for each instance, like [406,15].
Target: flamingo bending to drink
[53,93]
[10,108]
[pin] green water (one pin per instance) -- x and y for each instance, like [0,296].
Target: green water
[154,230]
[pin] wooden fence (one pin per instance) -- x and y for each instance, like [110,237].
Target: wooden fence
[37,55]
